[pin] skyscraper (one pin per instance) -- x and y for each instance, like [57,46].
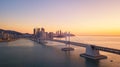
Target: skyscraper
[34,31]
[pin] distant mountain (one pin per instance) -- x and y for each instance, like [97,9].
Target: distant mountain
[10,31]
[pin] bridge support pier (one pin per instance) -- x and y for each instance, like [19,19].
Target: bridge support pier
[92,53]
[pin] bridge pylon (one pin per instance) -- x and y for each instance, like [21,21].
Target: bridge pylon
[92,53]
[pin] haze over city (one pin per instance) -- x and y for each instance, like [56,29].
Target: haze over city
[83,17]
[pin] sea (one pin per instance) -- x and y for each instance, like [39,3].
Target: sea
[27,53]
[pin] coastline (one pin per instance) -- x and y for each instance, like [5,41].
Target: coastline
[7,40]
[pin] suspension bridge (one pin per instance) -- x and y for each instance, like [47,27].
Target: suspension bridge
[92,51]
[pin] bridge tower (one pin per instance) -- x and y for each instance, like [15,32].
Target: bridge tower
[92,53]
[67,39]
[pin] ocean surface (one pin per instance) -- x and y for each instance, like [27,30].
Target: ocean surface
[27,53]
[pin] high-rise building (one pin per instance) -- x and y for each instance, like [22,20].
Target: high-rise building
[38,30]
[42,29]
[34,31]
[40,33]
[50,35]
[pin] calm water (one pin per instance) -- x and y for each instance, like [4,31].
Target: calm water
[26,53]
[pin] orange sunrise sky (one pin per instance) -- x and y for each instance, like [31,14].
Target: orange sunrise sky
[82,17]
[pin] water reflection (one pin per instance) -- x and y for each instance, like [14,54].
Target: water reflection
[91,63]
[27,53]
[21,43]
[67,58]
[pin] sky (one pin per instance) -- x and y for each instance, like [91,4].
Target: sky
[81,17]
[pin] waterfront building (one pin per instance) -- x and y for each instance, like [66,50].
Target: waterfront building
[34,31]
[40,34]
[50,35]
[0,36]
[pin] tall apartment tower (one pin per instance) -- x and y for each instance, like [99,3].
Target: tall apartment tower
[34,31]
[42,30]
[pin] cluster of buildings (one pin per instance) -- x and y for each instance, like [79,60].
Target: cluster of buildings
[6,35]
[41,35]
[59,33]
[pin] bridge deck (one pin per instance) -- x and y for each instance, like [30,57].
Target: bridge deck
[72,43]
[111,50]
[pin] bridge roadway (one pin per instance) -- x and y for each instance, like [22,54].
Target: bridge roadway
[106,49]
[72,43]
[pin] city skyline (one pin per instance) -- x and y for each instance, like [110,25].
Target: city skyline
[79,17]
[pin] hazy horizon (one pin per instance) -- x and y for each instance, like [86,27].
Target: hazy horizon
[88,17]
